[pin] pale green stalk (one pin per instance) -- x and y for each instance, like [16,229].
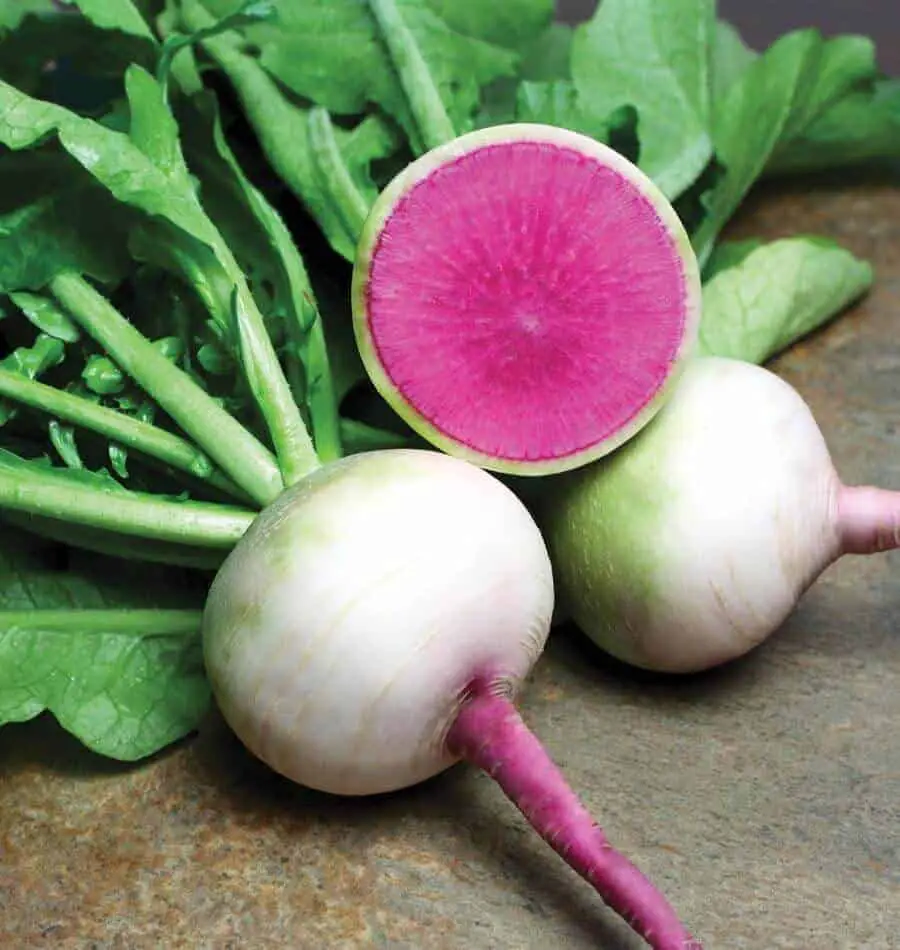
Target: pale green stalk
[28,489]
[141,436]
[415,77]
[216,431]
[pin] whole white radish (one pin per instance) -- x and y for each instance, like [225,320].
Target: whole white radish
[692,544]
[374,626]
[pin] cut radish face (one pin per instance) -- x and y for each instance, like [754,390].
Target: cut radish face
[524,298]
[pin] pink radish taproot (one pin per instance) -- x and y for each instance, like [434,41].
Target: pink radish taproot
[693,543]
[375,625]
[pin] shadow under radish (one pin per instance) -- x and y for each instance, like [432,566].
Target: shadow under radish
[459,816]
[590,667]
[43,744]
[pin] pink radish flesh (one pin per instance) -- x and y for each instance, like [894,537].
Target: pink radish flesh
[489,733]
[527,300]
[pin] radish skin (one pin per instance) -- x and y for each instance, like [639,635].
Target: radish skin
[692,544]
[374,626]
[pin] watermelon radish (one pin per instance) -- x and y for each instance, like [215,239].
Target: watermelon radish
[525,298]
[376,624]
[693,543]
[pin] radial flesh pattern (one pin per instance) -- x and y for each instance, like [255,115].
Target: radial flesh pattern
[524,297]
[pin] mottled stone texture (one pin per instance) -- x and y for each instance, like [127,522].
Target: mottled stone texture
[764,798]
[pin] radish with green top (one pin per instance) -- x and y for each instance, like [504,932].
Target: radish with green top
[373,623]
[374,626]
[693,543]
[525,298]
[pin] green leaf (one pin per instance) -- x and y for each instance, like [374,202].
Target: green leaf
[776,294]
[331,52]
[149,174]
[558,103]
[79,229]
[499,104]
[544,63]
[731,58]
[155,132]
[13,12]
[548,56]
[62,438]
[125,167]
[844,62]
[154,241]
[45,315]
[112,652]
[653,55]
[283,130]
[730,254]
[102,376]
[252,11]
[861,127]
[772,104]
[34,361]
[553,103]
[120,15]
[118,459]
[513,23]
[215,360]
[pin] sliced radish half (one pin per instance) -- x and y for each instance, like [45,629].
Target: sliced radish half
[524,297]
